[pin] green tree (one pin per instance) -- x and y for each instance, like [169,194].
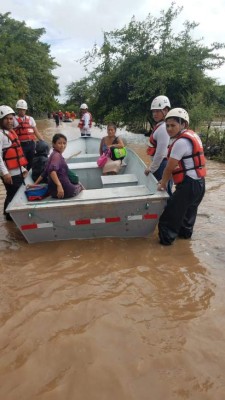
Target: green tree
[25,66]
[78,92]
[145,59]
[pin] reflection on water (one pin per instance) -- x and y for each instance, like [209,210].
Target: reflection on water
[115,319]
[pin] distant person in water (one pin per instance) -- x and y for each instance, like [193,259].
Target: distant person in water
[85,122]
[73,115]
[56,118]
[56,170]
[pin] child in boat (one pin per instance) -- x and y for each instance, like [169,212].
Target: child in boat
[40,159]
[56,170]
[111,167]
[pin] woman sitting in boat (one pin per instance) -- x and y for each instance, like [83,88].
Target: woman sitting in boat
[108,142]
[56,170]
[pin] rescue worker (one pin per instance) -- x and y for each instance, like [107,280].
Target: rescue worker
[12,159]
[73,115]
[27,132]
[67,115]
[186,163]
[85,122]
[159,138]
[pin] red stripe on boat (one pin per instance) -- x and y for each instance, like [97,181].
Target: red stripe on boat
[115,219]
[27,227]
[150,216]
[82,221]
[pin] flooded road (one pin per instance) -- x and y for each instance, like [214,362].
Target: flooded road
[115,319]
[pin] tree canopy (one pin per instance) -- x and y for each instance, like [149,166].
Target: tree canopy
[145,59]
[25,66]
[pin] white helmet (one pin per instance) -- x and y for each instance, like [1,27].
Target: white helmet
[22,104]
[5,110]
[179,113]
[83,106]
[160,102]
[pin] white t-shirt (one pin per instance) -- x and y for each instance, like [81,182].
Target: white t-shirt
[5,143]
[182,148]
[162,138]
[31,121]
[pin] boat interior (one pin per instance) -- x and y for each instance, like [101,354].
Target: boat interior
[81,155]
[130,179]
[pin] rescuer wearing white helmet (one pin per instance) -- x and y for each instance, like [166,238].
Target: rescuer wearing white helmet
[186,164]
[85,122]
[159,138]
[12,159]
[26,130]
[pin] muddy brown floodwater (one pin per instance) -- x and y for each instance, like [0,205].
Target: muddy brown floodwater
[115,319]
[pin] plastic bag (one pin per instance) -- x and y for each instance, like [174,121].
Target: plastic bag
[101,161]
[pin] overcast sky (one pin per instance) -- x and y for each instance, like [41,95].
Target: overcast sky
[73,26]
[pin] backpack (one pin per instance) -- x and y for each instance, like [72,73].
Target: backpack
[36,192]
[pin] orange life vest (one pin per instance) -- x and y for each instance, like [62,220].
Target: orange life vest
[81,122]
[24,130]
[152,142]
[13,155]
[197,156]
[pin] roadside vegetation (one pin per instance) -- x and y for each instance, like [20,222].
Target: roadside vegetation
[148,58]
[26,67]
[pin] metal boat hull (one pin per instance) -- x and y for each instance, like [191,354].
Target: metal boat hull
[127,208]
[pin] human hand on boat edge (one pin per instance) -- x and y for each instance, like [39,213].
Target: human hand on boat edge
[161,186]
[147,171]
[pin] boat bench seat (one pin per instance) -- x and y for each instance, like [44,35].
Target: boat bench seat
[84,158]
[110,181]
[87,165]
[113,193]
[83,165]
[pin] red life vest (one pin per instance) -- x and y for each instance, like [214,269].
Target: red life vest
[197,156]
[24,130]
[81,122]
[153,143]
[13,155]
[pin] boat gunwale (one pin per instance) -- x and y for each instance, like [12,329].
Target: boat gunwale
[154,198]
[157,196]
